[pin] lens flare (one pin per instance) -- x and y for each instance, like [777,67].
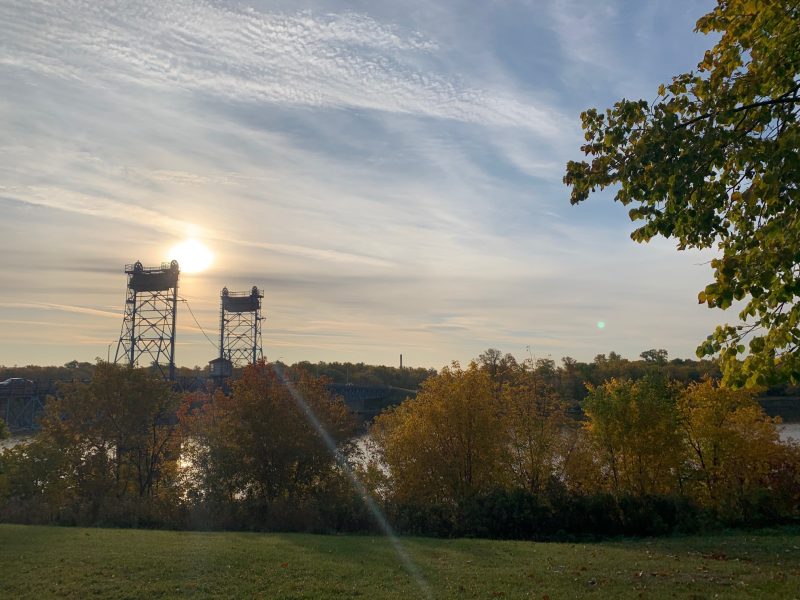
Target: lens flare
[372,506]
[601,324]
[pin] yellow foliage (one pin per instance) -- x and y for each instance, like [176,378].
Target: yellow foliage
[538,429]
[449,442]
[262,443]
[634,428]
[733,443]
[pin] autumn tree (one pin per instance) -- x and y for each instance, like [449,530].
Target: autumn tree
[658,357]
[734,446]
[633,425]
[538,430]
[123,423]
[449,442]
[107,450]
[34,487]
[267,442]
[501,368]
[713,163]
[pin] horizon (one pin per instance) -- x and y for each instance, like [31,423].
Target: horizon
[557,361]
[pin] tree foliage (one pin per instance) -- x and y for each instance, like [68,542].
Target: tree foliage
[447,443]
[107,451]
[658,357]
[538,430]
[633,426]
[259,445]
[122,424]
[490,450]
[734,447]
[713,162]
[493,450]
[362,374]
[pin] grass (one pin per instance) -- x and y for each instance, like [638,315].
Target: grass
[50,562]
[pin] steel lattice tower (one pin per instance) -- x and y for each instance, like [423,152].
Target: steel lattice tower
[240,326]
[148,328]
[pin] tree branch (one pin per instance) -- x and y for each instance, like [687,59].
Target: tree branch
[787,98]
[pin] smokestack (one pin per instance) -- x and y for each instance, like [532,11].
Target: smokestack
[401,361]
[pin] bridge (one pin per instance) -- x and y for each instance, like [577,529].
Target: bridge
[367,401]
[21,404]
[22,400]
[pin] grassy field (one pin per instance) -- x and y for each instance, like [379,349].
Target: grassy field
[49,562]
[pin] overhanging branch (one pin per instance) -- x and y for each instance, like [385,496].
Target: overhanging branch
[787,98]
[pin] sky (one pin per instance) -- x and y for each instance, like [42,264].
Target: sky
[390,173]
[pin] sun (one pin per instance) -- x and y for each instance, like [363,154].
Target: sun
[192,256]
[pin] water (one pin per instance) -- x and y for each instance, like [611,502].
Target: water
[789,431]
[14,441]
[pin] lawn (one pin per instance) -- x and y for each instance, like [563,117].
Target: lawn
[48,562]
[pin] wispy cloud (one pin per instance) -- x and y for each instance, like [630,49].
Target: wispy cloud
[583,28]
[83,310]
[343,60]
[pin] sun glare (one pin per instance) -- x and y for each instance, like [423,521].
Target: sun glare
[192,256]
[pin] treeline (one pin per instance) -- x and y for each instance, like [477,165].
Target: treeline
[571,378]
[571,375]
[492,449]
[125,449]
[48,377]
[408,378]
[496,452]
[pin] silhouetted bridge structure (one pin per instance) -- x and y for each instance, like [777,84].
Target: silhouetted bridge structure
[367,401]
[21,403]
[22,400]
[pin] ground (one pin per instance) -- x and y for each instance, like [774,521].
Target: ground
[48,562]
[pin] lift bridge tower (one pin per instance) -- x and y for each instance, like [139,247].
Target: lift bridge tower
[239,330]
[148,327]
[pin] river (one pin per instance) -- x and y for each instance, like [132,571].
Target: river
[789,431]
[12,441]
